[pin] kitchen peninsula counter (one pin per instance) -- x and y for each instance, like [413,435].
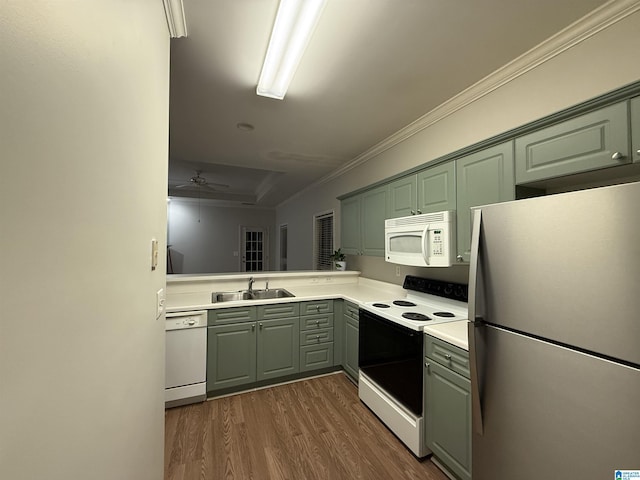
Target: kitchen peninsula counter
[193,292]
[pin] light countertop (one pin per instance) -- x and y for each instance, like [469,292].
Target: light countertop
[187,293]
[454,333]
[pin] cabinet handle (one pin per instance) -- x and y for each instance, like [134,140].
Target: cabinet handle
[413,212]
[459,258]
[428,366]
[448,357]
[638,151]
[318,308]
[253,327]
[260,325]
[617,156]
[419,212]
[318,338]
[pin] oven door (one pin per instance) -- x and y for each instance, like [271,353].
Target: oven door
[391,355]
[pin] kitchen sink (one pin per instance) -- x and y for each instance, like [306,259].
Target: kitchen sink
[218,297]
[273,293]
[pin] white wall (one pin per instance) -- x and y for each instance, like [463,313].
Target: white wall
[599,64]
[204,237]
[83,176]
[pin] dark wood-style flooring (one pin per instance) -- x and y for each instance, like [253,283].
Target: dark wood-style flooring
[312,429]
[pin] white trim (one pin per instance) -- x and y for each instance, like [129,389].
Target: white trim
[579,31]
[176,21]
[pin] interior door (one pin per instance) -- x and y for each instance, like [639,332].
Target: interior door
[254,247]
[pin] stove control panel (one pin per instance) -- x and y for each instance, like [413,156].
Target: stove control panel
[454,291]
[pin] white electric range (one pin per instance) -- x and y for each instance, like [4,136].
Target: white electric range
[391,353]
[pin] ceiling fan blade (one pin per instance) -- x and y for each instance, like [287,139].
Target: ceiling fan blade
[216,185]
[183,185]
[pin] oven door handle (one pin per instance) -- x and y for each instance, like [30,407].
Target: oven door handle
[425,244]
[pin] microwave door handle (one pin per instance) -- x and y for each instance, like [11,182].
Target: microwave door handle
[425,244]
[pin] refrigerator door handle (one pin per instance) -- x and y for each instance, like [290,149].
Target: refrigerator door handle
[475,278]
[476,355]
[476,327]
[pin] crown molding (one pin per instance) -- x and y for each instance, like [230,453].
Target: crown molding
[176,21]
[579,31]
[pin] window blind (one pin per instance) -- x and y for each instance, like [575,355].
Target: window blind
[323,241]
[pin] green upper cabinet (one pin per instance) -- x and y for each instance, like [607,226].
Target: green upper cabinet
[482,177]
[374,213]
[403,197]
[437,188]
[350,225]
[635,128]
[595,140]
[430,190]
[362,222]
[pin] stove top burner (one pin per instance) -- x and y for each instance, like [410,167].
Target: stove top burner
[404,303]
[444,314]
[381,305]
[415,316]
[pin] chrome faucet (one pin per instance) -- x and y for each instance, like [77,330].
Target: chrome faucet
[250,284]
[267,286]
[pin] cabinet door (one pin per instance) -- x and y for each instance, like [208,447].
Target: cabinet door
[351,341]
[403,197]
[374,213]
[595,140]
[482,178]
[437,188]
[448,418]
[350,225]
[278,348]
[231,355]
[635,128]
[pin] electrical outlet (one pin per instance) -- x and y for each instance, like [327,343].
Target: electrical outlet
[397,271]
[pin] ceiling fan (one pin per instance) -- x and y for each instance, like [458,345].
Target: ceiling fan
[199,181]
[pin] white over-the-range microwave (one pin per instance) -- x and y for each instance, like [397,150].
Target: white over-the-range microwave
[426,240]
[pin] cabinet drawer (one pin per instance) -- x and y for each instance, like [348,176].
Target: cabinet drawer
[318,306]
[351,311]
[223,316]
[280,310]
[314,322]
[313,337]
[448,355]
[313,357]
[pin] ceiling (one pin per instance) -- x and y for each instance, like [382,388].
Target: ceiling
[371,68]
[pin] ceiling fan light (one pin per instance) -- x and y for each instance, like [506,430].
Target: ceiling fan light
[295,22]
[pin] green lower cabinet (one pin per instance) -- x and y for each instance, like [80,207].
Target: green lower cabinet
[314,357]
[278,348]
[231,355]
[448,417]
[245,353]
[351,340]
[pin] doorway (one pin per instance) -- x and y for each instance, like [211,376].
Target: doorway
[254,245]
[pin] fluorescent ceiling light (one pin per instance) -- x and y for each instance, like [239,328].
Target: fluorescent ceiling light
[295,22]
[174,11]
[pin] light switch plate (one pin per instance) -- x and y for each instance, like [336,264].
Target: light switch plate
[160,303]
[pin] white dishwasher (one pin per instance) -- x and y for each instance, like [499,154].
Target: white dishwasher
[186,358]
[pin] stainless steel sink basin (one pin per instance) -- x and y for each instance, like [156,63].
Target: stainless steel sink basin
[217,297]
[273,293]
[230,296]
